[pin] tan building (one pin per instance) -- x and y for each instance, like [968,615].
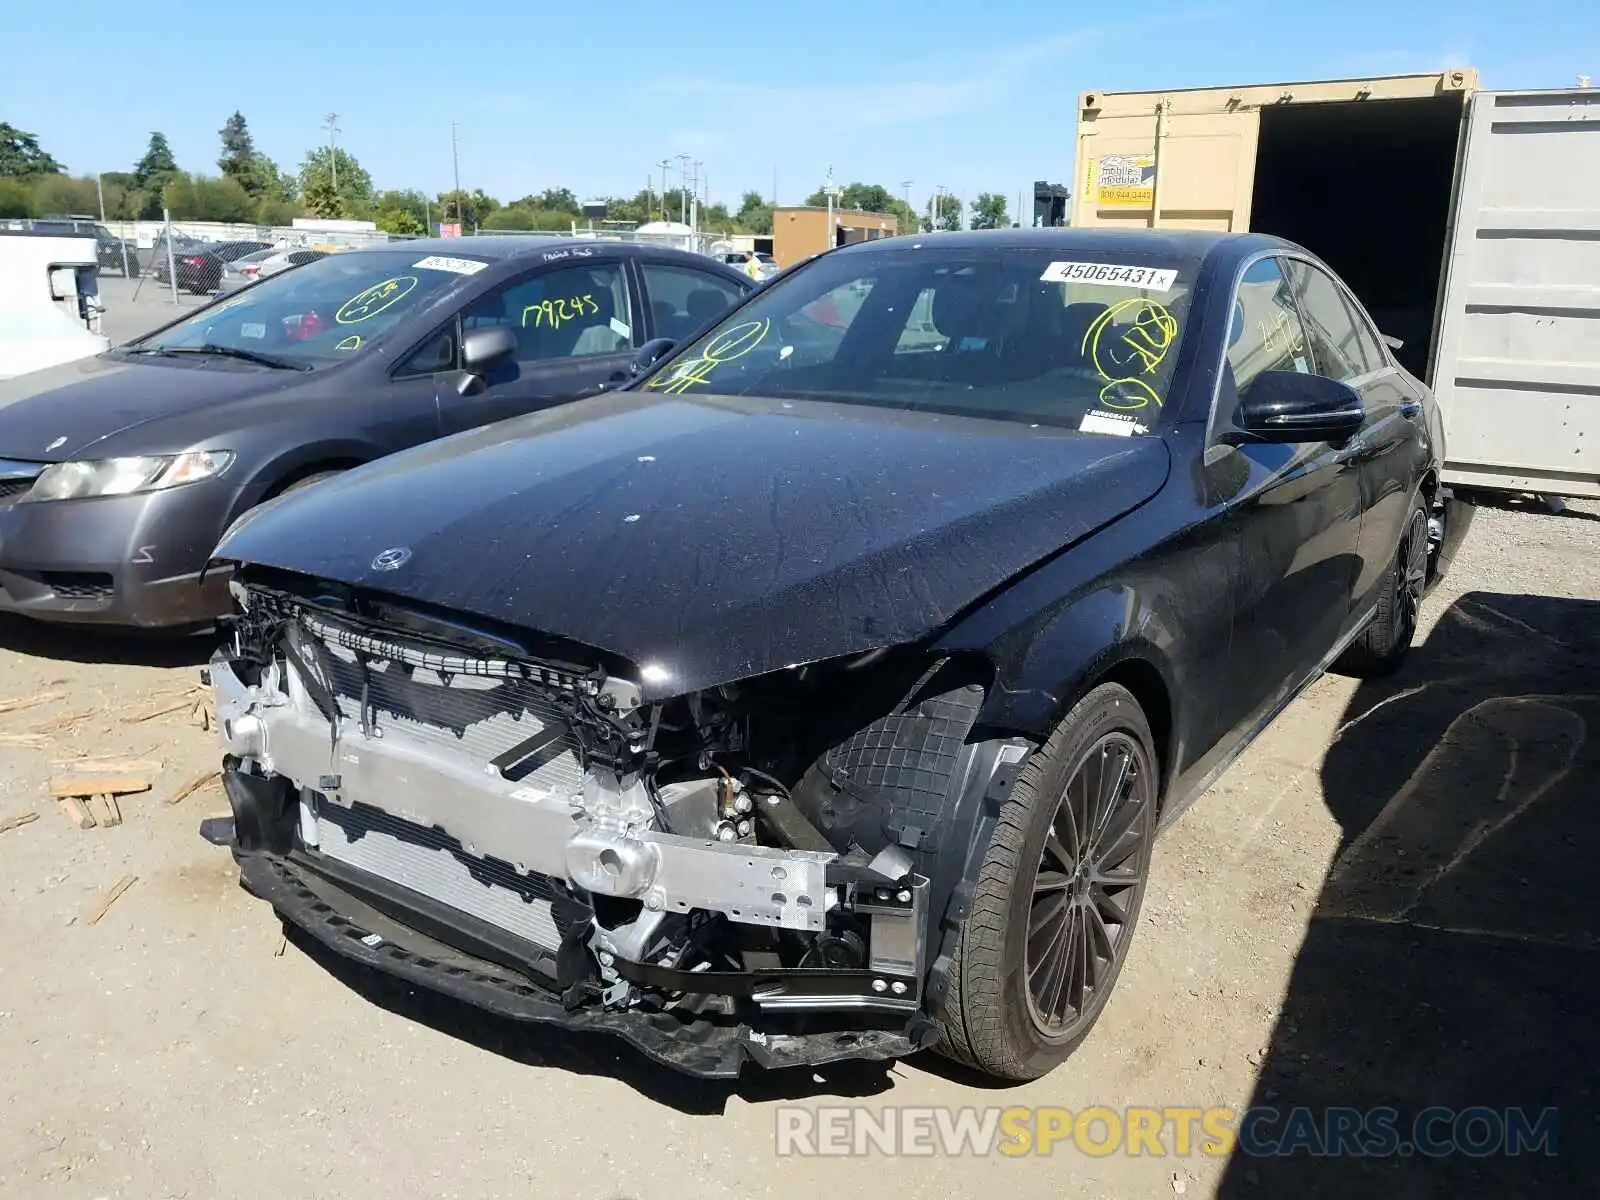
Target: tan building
[800,232]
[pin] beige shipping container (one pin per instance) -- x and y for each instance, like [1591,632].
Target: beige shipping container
[1464,219]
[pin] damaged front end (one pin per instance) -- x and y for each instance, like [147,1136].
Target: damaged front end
[759,871]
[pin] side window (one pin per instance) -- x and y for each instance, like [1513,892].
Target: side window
[558,313]
[1332,327]
[1266,335]
[683,299]
[436,354]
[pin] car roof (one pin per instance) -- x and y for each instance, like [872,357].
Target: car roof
[1187,243]
[512,246]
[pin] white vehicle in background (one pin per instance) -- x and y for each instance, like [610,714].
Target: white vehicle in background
[49,301]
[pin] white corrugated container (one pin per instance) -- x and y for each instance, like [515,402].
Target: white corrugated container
[1468,222]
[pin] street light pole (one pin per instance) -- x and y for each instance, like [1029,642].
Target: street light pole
[683,189]
[455,163]
[333,157]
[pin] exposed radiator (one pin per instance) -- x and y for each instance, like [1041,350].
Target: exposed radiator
[470,716]
[429,862]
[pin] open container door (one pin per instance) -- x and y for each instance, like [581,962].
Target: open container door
[1517,372]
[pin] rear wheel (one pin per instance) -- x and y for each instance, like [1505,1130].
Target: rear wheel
[1386,641]
[1058,894]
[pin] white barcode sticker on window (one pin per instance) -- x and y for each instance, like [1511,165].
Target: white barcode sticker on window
[442,262]
[1120,424]
[251,329]
[1150,279]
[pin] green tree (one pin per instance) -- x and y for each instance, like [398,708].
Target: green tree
[278,211]
[152,173]
[560,199]
[989,211]
[157,166]
[755,214]
[946,216]
[238,161]
[59,195]
[334,185]
[20,155]
[640,208]
[401,212]
[14,199]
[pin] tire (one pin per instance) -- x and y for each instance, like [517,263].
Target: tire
[1384,644]
[1005,987]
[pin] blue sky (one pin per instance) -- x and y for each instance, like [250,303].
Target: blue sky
[972,96]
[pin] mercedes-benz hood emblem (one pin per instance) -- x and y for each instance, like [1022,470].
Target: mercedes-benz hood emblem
[392,559]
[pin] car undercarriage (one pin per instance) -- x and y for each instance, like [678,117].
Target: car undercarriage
[765,870]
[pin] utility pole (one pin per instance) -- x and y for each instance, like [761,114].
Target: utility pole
[832,193]
[455,163]
[774,187]
[332,122]
[663,164]
[683,189]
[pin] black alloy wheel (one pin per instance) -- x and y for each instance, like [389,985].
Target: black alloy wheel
[1087,886]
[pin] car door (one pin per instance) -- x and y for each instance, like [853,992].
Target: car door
[1344,346]
[1295,510]
[681,298]
[575,323]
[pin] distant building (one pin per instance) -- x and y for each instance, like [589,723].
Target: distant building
[1051,204]
[800,232]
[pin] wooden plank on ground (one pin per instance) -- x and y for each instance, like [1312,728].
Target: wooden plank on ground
[204,779]
[76,812]
[106,810]
[98,785]
[108,766]
[18,821]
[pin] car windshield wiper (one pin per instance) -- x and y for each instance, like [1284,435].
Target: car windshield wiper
[265,360]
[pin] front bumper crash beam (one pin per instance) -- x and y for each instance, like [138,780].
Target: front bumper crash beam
[345,923]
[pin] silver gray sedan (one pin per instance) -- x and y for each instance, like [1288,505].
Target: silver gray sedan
[263,263]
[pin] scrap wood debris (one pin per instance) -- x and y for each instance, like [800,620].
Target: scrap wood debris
[18,821]
[110,898]
[100,790]
[31,740]
[20,703]
[204,779]
[195,701]
[63,724]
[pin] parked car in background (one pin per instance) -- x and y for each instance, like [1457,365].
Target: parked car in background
[121,471]
[821,694]
[200,265]
[114,254]
[263,264]
[766,265]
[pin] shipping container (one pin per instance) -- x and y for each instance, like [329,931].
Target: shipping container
[1468,222]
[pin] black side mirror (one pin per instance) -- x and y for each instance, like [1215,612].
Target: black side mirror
[1287,406]
[651,353]
[482,348]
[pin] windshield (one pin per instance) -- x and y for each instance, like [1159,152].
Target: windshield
[1061,337]
[322,312]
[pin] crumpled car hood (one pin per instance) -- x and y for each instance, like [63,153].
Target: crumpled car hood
[713,538]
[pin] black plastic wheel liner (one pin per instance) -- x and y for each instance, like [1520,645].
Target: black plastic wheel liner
[703,1047]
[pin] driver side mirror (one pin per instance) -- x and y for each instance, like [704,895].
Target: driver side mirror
[482,349]
[651,353]
[1287,406]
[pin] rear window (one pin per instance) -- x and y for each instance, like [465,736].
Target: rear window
[324,311]
[1059,338]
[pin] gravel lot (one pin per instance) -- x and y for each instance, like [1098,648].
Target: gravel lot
[1388,900]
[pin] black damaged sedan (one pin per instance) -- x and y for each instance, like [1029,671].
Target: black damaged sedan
[821,694]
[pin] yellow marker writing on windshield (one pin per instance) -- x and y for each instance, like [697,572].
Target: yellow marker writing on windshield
[353,342]
[365,305]
[1144,332]
[725,347]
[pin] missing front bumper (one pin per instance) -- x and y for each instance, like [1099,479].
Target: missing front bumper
[356,927]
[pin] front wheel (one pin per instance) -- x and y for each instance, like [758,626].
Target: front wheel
[1058,894]
[1386,641]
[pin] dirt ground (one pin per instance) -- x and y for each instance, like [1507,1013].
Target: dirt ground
[1389,900]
